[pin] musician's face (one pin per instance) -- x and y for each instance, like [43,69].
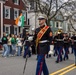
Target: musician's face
[42,22]
[65,35]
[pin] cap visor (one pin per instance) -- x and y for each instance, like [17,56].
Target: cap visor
[41,18]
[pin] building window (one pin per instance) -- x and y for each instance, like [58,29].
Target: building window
[16,2]
[7,12]
[57,24]
[15,30]
[31,5]
[51,24]
[28,21]
[24,14]
[21,29]
[16,13]
[60,25]
[7,29]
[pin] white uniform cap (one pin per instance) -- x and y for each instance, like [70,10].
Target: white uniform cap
[42,17]
[27,30]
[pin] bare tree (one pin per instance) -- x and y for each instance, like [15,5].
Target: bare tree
[72,20]
[70,10]
[51,7]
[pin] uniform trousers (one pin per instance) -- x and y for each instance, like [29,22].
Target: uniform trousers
[66,52]
[55,50]
[75,54]
[59,50]
[74,48]
[26,51]
[41,65]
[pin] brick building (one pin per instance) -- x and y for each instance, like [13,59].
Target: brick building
[9,11]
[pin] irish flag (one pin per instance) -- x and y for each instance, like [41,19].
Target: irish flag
[20,20]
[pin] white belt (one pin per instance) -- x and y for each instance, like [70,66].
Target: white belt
[65,42]
[59,39]
[44,41]
[74,40]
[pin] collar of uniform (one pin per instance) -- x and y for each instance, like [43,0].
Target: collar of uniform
[42,26]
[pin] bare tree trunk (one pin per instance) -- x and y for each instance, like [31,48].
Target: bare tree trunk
[48,22]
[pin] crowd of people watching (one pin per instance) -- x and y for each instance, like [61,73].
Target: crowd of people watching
[13,45]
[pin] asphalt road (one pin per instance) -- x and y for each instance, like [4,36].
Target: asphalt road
[14,66]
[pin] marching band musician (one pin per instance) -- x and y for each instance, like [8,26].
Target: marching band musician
[66,46]
[59,39]
[43,34]
[74,46]
[72,42]
[27,46]
[55,45]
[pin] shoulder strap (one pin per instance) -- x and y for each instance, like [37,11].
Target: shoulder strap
[42,32]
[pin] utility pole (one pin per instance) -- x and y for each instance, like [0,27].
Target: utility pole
[35,8]
[1,18]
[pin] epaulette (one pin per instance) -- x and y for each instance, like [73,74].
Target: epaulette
[37,30]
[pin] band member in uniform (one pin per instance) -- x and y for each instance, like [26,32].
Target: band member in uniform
[59,40]
[66,46]
[72,43]
[27,46]
[74,46]
[43,34]
[55,45]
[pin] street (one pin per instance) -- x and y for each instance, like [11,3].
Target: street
[15,65]
[46,24]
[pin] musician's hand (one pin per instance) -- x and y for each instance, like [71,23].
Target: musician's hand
[22,39]
[51,34]
[52,42]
